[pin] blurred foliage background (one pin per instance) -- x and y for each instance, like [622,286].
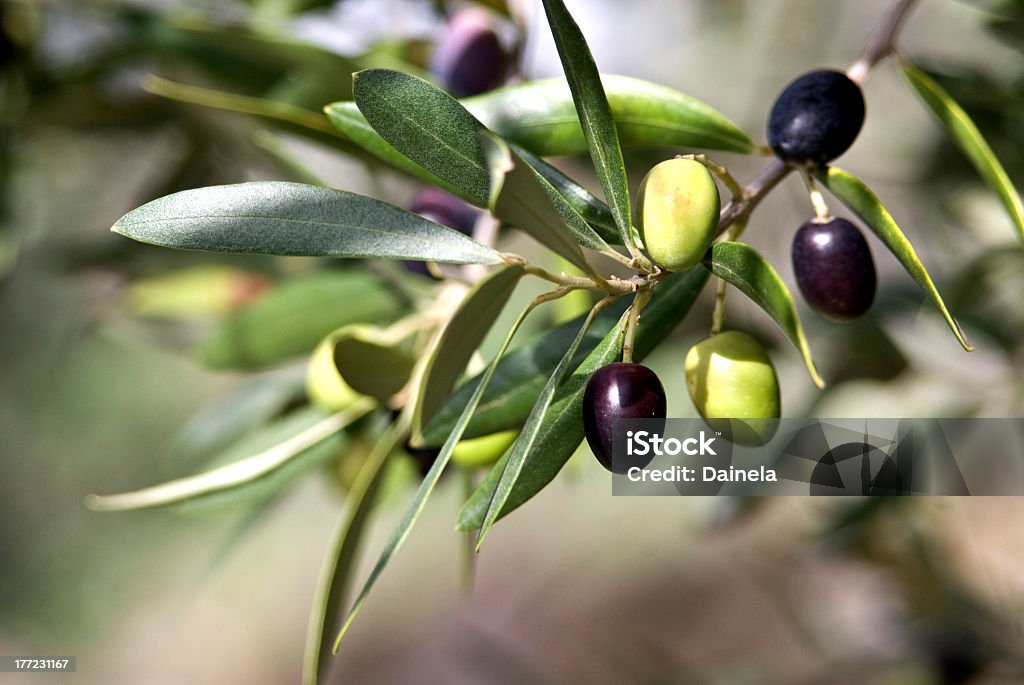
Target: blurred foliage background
[103,339]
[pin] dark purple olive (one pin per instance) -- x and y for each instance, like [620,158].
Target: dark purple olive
[469,59]
[816,117]
[620,391]
[834,269]
[442,208]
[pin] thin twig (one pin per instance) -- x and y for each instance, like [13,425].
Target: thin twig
[880,43]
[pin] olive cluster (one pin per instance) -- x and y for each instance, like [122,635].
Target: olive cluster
[729,375]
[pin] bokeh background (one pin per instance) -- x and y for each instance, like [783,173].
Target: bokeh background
[96,381]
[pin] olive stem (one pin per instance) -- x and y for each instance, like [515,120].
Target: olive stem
[639,302]
[821,213]
[881,42]
[718,170]
[718,313]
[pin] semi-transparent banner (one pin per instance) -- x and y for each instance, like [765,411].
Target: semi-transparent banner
[819,457]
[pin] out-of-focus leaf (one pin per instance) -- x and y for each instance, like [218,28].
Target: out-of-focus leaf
[595,116]
[969,139]
[195,291]
[563,427]
[743,267]
[295,219]
[401,532]
[852,192]
[536,423]
[350,121]
[331,593]
[253,403]
[298,435]
[541,117]
[292,318]
[461,337]
[428,126]
[523,198]
[293,119]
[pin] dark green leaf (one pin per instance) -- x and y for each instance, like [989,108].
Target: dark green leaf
[536,422]
[743,267]
[459,340]
[562,431]
[340,560]
[523,198]
[519,379]
[426,125]
[296,315]
[371,363]
[969,139]
[594,114]
[401,532]
[852,192]
[350,121]
[296,220]
[541,117]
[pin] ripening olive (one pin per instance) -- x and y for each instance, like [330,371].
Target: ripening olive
[619,391]
[677,212]
[730,376]
[833,267]
[469,59]
[816,117]
[324,385]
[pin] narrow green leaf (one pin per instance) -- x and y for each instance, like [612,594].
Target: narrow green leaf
[240,472]
[461,337]
[296,220]
[519,379]
[967,136]
[852,192]
[527,439]
[541,117]
[297,314]
[523,198]
[339,562]
[562,429]
[401,532]
[370,362]
[594,114]
[428,126]
[347,118]
[743,267]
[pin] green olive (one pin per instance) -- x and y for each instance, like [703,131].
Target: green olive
[730,376]
[324,385]
[485,450]
[677,211]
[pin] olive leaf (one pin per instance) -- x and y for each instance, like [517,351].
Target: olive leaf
[535,422]
[347,118]
[401,531]
[331,594]
[743,267]
[562,427]
[428,126]
[458,341]
[519,379]
[541,117]
[523,198]
[294,219]
[289,440]
[370,361]
[853,193]
[969,139]
[595,115]
[295,315]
